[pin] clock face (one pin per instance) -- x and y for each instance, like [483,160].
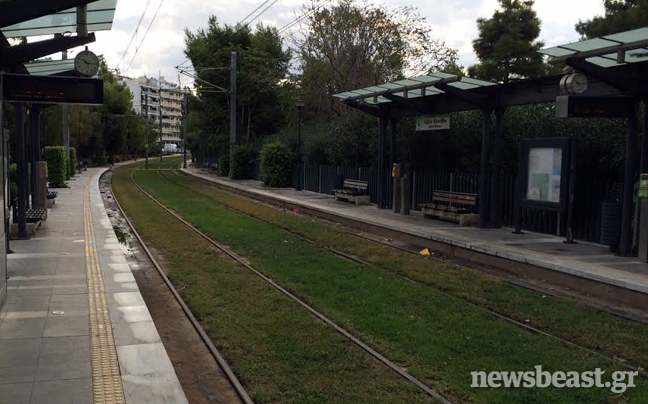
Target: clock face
[86,63]
[577,83]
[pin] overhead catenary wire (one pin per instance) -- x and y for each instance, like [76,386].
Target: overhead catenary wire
[144,37]
[297,20]
[148,3]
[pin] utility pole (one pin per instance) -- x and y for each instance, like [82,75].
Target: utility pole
[160,113]
[146,129]
[185,126]
[232,104]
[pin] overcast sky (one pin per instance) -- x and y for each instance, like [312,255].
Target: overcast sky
[453,21]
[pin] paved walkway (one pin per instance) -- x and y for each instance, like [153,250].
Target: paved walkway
[587,260]
[75,328]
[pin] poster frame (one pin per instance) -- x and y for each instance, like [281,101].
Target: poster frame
[525,147]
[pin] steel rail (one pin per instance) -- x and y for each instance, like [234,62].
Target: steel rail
[513,321]
[430,391]
[240,390]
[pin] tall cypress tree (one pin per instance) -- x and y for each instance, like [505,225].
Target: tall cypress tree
[620,15]
[507,46]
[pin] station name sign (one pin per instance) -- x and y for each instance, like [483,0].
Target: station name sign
[438,122]
[52,89]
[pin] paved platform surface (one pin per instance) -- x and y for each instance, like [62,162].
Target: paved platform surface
[47,350]
[587,260]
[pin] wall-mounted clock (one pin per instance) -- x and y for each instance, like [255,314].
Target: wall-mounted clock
[86,63]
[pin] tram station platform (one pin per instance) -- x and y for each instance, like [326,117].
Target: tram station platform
[74,328]
[517,252]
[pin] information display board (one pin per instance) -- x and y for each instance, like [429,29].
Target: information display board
[544,167]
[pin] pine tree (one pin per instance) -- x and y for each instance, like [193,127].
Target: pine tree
[507,46]
[620,15]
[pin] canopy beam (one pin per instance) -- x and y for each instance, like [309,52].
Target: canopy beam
[24,53]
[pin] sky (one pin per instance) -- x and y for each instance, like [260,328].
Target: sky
[452,21]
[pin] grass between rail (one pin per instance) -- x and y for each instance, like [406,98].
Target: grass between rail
[279,351]
[580,324]
[440,339]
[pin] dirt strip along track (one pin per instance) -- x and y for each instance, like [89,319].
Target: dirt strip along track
[524,326]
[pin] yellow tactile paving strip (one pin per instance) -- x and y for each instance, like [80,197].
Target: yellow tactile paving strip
[106,379]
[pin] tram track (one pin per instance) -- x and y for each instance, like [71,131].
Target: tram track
[227,251]
[216,354]
[621,362]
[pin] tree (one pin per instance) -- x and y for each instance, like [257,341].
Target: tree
[351,45]
[262,64]
[620,15]
[507,46]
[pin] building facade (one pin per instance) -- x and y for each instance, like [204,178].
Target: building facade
[161,102]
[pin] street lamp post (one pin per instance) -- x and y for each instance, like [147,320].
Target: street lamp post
[299,104]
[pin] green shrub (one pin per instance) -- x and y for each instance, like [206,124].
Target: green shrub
[242,163]
[57,170]
[68,174]
[224,165]
[276,162]
[73,161]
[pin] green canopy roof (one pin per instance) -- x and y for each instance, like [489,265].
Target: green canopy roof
[100,18]
[415,87]
[604,51]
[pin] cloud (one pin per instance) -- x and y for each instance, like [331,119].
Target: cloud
[454,22]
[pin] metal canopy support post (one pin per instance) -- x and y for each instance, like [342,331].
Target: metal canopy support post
[382,161]
[572,189]
[35,152]
[496,180]
[483,172]
[232,103]
[625,244]
[21,168]
[644,141]
[393,157]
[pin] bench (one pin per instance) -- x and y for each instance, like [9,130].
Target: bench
[353,191]
[35,215]
[454,206]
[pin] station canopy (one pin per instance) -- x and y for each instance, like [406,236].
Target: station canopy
[412,88]
[100,18]
[608,51]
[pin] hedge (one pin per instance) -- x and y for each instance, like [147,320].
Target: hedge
[73,161]
[57,171]
[224,165]
[242,163]
[276,163]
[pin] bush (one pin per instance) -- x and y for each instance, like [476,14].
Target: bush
[68,172]
[242,163]
[73,161]
[276,163]
[57,171]
[224,164]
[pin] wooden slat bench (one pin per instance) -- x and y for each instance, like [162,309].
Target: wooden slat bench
[454,206]
[35,215]
[354,191]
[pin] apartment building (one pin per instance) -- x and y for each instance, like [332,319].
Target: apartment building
[158,99]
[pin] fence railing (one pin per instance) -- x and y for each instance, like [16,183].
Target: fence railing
[589,195]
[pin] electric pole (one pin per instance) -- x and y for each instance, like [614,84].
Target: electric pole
[185,125]
[160,114]
[146,129]
[232,104]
